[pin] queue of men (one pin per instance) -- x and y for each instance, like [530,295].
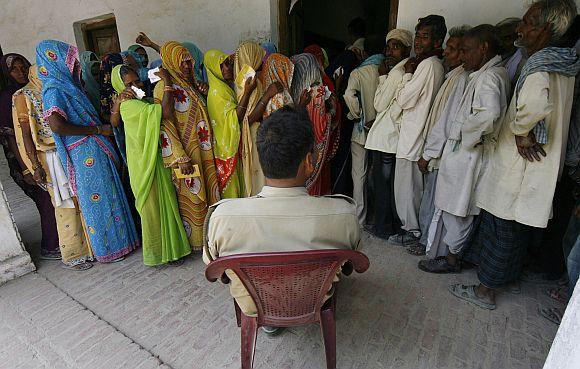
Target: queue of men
[462,146]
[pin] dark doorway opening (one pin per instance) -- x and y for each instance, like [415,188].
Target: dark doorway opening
[324,22]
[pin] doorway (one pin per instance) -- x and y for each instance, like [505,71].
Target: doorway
[324,22]
[98,35]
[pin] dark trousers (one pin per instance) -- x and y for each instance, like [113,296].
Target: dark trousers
[385,217]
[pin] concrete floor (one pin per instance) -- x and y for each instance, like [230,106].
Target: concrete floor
[126,315]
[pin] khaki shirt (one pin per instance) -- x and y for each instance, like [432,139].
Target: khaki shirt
[278,220]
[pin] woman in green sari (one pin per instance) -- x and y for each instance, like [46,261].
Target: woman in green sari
[164,238]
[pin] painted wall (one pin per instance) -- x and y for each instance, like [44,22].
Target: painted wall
[209,23]
[458,12]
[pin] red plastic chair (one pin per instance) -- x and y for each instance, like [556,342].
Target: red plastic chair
[288,289]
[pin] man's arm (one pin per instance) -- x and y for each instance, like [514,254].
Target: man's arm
[532,104]
[350,96]
[387,90]
[413,85]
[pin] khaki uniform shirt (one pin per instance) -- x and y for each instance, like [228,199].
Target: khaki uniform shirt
[279,220]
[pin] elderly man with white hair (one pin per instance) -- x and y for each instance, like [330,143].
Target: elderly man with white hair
[384,134]
[518,187]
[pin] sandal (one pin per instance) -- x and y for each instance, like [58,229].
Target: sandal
[51,257]
[79,267]
[417,250]
[552,314]
[439,265]
[175,263]
[468,294]
[558,294]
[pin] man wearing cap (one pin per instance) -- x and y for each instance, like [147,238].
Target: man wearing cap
[384,134]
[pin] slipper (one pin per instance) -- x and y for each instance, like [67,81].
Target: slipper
[51,257]
[176,263]
[467,293]
[515,288]
[439,265]
[114,261]
[552,314]
[417,250]
[558,294]
[79,267]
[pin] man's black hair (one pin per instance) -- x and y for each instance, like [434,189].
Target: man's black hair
[358,27]
[374,44]
[437,25]
[486,33]
[284,139]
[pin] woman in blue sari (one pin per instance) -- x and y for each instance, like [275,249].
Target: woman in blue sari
[87,154]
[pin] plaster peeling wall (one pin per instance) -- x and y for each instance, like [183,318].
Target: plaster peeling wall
[458,12]
[14,260]
[209,23]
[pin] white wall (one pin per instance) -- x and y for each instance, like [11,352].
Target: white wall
[209,23]
[458,12]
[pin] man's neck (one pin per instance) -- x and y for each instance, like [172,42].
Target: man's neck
[285,183]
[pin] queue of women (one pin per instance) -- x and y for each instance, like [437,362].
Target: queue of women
[111,170]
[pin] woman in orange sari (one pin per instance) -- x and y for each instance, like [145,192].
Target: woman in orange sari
[277,68]
[186,140]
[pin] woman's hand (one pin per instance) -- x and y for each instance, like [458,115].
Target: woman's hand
[107,130]
[250,84]
[164,75]
[29,179]
[127,94]
[274,89]
[186,168]
[40,176]
[305,98]
[144,40]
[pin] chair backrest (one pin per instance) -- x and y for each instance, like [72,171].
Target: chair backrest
[288,288]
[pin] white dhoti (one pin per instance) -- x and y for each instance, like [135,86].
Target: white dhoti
[408,193]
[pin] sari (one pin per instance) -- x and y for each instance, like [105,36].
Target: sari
[221,105]
[308,74]
[197,56]
[163,236]
[88,59]
[49,243]
[249,55]
[188,138]
[106,92]
[90,161]
[278,68]
[27,109]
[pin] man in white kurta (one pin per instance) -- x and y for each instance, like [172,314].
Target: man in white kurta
[437,130]
[471,141]
[518,186]
[419,87]
[359,98]
[383,135]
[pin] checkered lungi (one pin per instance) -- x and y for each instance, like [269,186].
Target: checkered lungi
[504,245]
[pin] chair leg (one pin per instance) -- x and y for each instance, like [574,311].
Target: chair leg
[249,333]
[328,326]
[238,313]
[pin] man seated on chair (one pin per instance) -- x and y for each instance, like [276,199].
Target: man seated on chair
[283,217]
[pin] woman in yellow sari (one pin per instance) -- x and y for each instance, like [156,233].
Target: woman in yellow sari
[38,151]
[226,114]
[186,140]
[247,62]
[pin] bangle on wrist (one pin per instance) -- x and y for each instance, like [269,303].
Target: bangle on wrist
[243,107]
[25,172]
[99,130]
